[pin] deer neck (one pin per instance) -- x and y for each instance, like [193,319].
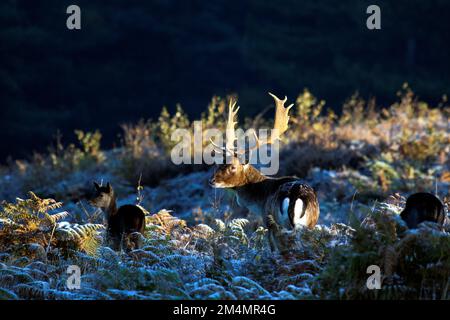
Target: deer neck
[252,175]
[112,208]
[248,192]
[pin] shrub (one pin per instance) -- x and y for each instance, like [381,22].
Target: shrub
[415,264]
[29,224]
[44,170]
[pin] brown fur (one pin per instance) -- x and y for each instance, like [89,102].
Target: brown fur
[123,222]
[264,195]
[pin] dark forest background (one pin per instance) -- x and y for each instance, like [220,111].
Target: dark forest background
[132,57]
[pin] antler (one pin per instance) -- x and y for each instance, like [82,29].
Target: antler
[230,130]
[280,127]
[281,122]
[281,118]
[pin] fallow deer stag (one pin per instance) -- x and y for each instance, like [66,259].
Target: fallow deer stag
[282,202]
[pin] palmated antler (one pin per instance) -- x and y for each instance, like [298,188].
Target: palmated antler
[280,127]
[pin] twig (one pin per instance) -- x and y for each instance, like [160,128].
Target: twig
[50,241]
[353,199]
[140,197]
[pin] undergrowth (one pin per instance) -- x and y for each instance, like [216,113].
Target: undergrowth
[199,245]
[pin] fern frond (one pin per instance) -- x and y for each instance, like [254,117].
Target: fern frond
[27,291]
[6,294]
[202,231]
[166,221]
[58,216]
[220,225]
[238,223]
[67,232]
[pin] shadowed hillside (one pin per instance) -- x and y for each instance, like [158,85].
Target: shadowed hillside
[131,58]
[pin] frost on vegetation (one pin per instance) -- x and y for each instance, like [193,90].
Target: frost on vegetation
[199,245]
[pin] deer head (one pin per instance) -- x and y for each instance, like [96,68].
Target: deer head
[103,196]
[235,173]
[229,175]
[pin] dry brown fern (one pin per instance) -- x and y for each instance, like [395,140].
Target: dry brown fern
[165,222]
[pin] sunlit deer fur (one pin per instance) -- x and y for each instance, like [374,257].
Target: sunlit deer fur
[122,222]
[422,207]
[284,201]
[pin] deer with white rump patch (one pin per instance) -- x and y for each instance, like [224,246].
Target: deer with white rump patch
[284,202]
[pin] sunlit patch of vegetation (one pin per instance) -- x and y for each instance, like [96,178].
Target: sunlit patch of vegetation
[199,245]
[28,225]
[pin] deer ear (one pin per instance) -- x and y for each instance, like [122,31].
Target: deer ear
[108,186]
[96,185]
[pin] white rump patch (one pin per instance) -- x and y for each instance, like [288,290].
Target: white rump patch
[298,210]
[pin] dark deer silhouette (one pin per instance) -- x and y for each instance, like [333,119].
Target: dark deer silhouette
[123,221]
[422,207]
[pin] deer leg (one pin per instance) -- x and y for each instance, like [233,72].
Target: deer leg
[136,240]
[274,233]
[272,243]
